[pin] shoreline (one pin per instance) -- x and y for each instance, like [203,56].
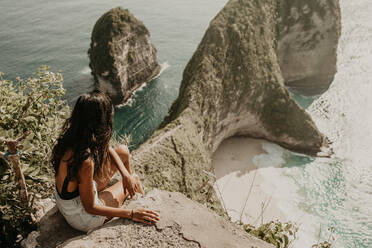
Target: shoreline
[129,100]
[239,180]
[249,176]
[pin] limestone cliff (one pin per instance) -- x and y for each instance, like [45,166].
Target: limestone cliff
[308,33]
[121,54]
[234,83]
[231,86]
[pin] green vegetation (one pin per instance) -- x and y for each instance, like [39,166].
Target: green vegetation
[34,105]
[326,243]
[281,235]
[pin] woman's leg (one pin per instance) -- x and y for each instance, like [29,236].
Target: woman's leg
[113,196]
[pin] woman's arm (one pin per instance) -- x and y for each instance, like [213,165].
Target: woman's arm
[129,182]
[123,169]
[86,192]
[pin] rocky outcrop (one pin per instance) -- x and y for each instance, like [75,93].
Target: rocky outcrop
[184,223]
[52,229]
[308,33]
[232,86]
[121,54]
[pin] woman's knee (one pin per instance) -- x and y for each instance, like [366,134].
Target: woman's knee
[123,152]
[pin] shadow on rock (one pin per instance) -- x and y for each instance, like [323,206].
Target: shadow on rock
[54,223]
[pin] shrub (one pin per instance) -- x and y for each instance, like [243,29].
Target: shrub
[324,244]
[279,234]
[327,243]
[35,105]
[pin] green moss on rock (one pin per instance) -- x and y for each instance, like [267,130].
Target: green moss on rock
[235,72]
[121,54]
[175,159]
[232,85]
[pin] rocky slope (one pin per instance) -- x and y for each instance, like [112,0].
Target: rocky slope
[184,223]
[308,34]
[121,54]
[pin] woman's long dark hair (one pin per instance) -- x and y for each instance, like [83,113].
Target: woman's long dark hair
[87,133]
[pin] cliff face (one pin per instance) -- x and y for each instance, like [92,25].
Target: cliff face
[231,86]
[234,83]
[121,54]
[308,34]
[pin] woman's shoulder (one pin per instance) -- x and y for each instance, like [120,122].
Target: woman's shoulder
[87,169]
[69,153]
[87,165]
[67,156]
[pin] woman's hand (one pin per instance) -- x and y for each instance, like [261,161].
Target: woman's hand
[145,216]
[130,184]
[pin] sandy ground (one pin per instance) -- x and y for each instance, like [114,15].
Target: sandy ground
[240,183]
[252,187]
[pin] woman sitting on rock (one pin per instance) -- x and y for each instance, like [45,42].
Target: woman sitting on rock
[84,164]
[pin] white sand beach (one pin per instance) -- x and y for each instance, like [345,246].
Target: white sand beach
[250,176]
[238,165]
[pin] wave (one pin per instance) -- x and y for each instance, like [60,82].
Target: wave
[163,66]
[86,70]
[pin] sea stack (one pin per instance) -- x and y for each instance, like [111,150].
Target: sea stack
[122,56]
[308,34]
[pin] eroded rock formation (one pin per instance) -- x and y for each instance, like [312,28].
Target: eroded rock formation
[122,56]
[231,86]
[308,34]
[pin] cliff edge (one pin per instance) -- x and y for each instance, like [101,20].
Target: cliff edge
[184,223]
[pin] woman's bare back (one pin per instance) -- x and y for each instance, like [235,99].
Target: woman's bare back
[62,174]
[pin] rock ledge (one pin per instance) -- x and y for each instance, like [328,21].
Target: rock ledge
[184,223]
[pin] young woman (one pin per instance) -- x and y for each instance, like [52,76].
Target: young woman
[84,164]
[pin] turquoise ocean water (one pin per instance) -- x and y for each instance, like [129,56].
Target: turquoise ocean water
[334,192]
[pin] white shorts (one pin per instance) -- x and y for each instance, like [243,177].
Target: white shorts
[75,214]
